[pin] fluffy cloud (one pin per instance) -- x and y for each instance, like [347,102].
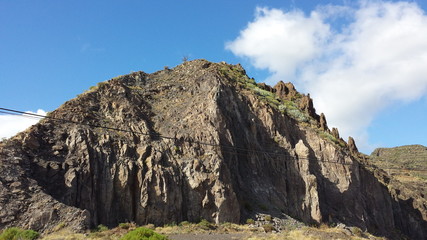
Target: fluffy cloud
[354,61]
[12,124]
[267,42]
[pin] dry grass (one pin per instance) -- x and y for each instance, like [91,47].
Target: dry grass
[248,233]
[65,235]
[311,233]
[110,234]
[198,228]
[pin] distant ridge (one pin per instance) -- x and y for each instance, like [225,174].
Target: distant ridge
[408,164]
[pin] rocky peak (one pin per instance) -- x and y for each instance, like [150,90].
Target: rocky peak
[201,140]
[336,134]
[266,87]
[324,124]
[352,145]
[285,90]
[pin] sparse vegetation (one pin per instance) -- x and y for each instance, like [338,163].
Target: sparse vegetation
[94,88]
[184,223]
[288,107]
[124,225]
[206,225]
[143,233]
[406,164]
[99,231]
[60,226]
[172,224]
[266,231]
[135,88]
[331,138]
[118,77]
[268,227]
[357,231]
[15,233]
[101,228]
[250,221]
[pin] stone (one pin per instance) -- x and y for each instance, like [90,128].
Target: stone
[323,123]
[187,143]
[285,90]
[335,133]
[352,145]
[306,104]
[266,87]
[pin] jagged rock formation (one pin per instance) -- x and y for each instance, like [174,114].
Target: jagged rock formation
[324,126]
[285,90]
[201,140]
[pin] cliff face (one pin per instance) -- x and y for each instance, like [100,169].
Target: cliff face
[201,140]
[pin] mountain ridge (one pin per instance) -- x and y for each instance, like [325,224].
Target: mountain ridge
[268,152]
[407,164]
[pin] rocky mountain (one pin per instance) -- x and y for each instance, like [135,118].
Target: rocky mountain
[199,141]
[407,164]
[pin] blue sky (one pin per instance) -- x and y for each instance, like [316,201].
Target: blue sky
[51,51]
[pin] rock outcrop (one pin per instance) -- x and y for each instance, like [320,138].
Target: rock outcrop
[324,125]
[285,90]
[201,140]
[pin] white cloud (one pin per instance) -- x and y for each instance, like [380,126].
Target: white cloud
[275,34]
[12,124]
[377,58]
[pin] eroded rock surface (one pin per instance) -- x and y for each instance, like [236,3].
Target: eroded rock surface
[196,141]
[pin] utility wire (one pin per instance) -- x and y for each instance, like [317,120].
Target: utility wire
[237,150]
[18,114]
[224,147]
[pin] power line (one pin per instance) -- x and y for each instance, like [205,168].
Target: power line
[156,135]
[20,115]
[248,151]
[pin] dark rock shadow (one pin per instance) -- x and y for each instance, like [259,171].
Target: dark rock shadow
[367,204]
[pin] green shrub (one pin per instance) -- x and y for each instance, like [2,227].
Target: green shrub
[331,138]
[143,233]
[18,234]
[357,231]
[298,115]
[267,218]
[27,235]
[101,228]
[268,228]
[9,234]
[205,225]
[262,92]
[124,225]
[250,221]
[184,223]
